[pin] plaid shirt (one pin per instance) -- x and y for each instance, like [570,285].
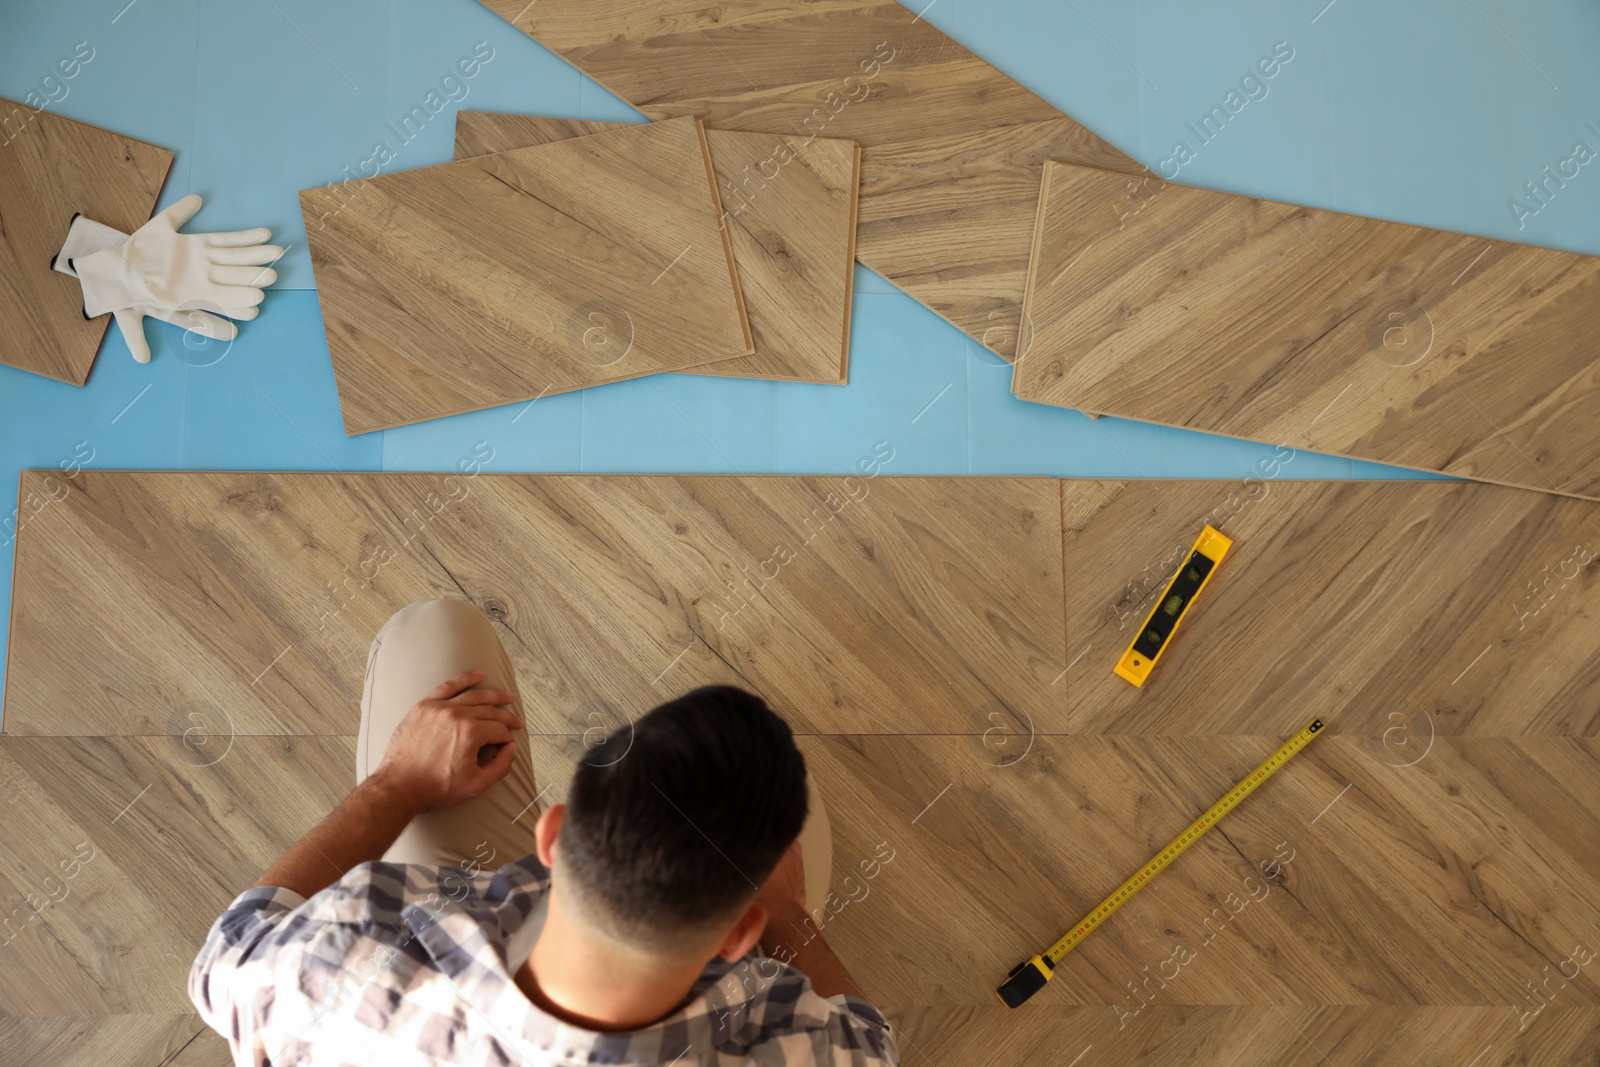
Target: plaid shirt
[398,964]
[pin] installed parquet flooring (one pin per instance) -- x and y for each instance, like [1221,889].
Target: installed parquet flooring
[1342,334]
[51,167]
[1436,873]
[523,274]
[1288,1035]
[108,1039]
[793,241]
[133,846]
[952,148]
[858,597]
[1417,606]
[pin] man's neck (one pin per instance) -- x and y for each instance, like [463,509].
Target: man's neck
[591,982]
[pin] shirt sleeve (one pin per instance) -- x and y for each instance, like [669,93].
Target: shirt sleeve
[861,1036]
[231,982]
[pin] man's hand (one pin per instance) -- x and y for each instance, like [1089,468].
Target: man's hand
[454,744]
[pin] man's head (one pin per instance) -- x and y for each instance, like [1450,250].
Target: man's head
[664,848]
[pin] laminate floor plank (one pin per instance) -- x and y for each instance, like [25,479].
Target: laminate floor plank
[1288,1035]
[974,635]
[52,168]
[524,274]
[1404,892]
[95,1041]
[208,1049]
[1399,608]
[953,149]
[858,605]
[946,867]
[1421,883]
[1279,323]
[1417,886]
[793,240]
[121,852]
[260,593]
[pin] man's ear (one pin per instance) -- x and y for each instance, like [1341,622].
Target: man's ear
[745,933]
[545,831]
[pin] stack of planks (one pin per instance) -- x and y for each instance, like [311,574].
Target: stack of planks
[555,254]
[952,148]
[1144,299]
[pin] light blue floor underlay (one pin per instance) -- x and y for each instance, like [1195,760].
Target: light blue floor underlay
[1433,112]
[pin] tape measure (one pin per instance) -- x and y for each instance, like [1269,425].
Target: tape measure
[1028,977]
[1162,622]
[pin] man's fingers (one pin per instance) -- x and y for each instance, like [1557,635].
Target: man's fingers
[492,712]
[498,767]
[482,732]
[483,696]
[451,686]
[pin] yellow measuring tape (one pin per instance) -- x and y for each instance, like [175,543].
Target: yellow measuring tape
[1028,977]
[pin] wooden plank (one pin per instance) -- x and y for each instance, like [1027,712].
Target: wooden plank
[208,1049]
[1288,1035]
[952,148]
[911,605]
[1280,323]
[955,869]
[1401,609]
[50,168]
[793,240]
[860,605]
[854,604]
[97,1040]
[523,274]
[1382,894]
[1421,885]
[117,854]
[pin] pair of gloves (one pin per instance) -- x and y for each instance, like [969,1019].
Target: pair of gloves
[191,280]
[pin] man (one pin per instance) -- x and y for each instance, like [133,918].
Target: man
[410,927]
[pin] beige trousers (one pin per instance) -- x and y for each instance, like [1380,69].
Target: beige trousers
[420,646]
[427,642]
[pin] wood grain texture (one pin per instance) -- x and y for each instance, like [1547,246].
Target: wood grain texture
[853,604]
[1405,608]
[1390,896]
[952,148]
[208,1049]
[50,168]
[1287,1035]
[523,274]
[793,239]
[95,1041]
[1319,330]
[859,605]
[1454,883]
[1433,884]
[173,829]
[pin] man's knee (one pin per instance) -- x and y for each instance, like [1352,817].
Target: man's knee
[445,611]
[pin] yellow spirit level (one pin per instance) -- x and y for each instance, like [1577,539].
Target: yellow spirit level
[1029,976]
[1153,637]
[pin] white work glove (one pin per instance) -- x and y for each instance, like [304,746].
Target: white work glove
[160,268]
[86,236]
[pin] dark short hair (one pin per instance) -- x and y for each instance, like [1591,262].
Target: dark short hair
[678,833]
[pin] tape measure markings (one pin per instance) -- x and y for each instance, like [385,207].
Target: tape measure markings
[1029,977]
